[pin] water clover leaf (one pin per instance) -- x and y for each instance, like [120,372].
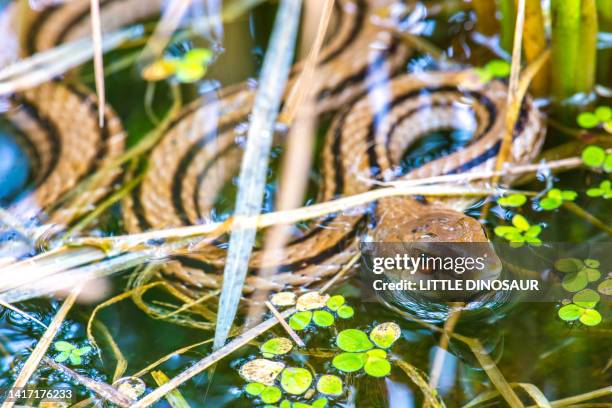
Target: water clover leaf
[605,287]
[254,388]
[335,302]
[271,394]
[521,231]
[378,353]
[330,385]
[349,362]
[323,318]
[604,190]
[188,71]
[63,356]
[603,113]
[587,120]
[345,312]
[295,380]
[160,69]
[283,299]
[385,334]
[513,200]
[568,265]
[353,340]
[520,222]
[377,367]
[201,56]
[574,282]
[300,320]
[586,298]
[593,156]
[592,274]
[320,403]
[63,346]
[590,317]
[261,370]
[276,346]
[555,197]
[494,69]
[592,263]
[570,312]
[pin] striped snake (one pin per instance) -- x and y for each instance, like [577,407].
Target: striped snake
[378,112]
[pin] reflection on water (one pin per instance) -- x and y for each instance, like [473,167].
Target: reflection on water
[14,168]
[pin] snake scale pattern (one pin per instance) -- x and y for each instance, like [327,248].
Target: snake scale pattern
[378,112]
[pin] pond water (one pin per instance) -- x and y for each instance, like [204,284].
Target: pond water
[529,343]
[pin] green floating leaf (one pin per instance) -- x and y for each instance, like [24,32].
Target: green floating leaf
[574,282]
[603,113]
[254,388]
[200,56]
[568,265]
[285,404]
[378,353]
[349,362]
[605,287]
[570,312]
[75,359]
[591,274]
[593,156]
[385,334]
[82,351]
[323,318]
[296,380]
[586,298]
[188,71]
[320,403]
[587,120]
[592,263]
[506,231]
[271,394]
[63,346]
[345,312]
[377,367]
[550,203]
[607,166]
[330,385]
[513,200]
[276,346]
[498,68]
[63,356]
[335,302]
[520,222]
[353,340]
[590,317]
[300,320]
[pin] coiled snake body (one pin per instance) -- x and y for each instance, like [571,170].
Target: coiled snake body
[379,112]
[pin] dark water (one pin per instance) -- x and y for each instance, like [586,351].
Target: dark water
[530,344]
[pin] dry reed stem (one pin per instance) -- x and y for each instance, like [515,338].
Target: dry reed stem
[254,164]
[283,323]
[43,344]
[513,101]
[42,67]
[209,360]
[174,397]
[429,393]
[438,361]
[104,390]
[565,402]
[96,35]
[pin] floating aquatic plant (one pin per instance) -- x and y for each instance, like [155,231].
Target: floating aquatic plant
[601,116]
[496,68]
[70,352]
[308,303]
[578,275]
[555,198]
[604,190]
[190,67]
[512,200]
[276,346]
[520,231]
[596,157]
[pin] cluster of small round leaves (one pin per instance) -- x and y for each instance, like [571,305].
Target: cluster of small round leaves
[359,351]
[596,157]
[601,116]
[308,304]
[494,69]
[520,231]
[70,352]
[604,190]
[512,200]
[578,274]
[555,197]
[191,67]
